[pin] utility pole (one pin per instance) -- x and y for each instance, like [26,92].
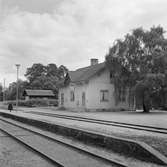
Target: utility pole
[17,89]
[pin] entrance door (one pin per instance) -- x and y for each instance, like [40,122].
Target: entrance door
[62,99]
[83,98]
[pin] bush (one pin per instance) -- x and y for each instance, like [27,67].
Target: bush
[35,102]
[53,102]
[13,102]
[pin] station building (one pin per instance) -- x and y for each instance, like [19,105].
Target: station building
[90,89]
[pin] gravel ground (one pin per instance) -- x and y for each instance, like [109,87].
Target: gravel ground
[12,154]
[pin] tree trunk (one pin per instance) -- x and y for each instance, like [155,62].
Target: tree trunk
[146,108]
[146,102]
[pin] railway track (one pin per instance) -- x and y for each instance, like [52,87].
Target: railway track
[58,152]
[105,122]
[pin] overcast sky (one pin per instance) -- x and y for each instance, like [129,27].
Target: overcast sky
[68,32]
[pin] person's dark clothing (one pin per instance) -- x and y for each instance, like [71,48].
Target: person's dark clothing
[10,107]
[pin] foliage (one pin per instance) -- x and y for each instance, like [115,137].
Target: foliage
[140,59]
[1,92]
[45,77]
[62,72]
[37,70]
[35,102]
[11,91]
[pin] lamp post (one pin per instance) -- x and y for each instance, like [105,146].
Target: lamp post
[17,89]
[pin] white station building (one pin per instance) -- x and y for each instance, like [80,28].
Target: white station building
[90,89]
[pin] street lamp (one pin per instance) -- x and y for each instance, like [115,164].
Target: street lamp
[17,91]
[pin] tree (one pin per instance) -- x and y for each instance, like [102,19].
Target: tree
[62,72]
[45,77]
[138,56]
[149,89]
[37,70]
[51,70]
[11,90]
[1,92]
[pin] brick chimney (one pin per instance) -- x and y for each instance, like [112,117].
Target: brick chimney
[93,62]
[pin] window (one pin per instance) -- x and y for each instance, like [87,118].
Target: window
[72,96]
[104,95]
[83,98]
[111,77]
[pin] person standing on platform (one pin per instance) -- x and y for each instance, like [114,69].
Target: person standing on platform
[10,107]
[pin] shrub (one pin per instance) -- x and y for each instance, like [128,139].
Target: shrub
[35,102]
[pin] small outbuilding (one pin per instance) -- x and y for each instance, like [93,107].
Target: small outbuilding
[38,94]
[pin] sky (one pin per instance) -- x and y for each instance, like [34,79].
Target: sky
[68,32]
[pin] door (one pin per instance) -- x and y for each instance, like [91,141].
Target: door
[83,99]
[62,99]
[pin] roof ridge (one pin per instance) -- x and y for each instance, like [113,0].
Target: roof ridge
[90,66]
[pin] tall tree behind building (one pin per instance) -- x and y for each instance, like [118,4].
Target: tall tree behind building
[140,60]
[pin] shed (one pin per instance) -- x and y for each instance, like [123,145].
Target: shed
[34,94]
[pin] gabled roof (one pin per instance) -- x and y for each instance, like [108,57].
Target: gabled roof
[84,74]
[42,93]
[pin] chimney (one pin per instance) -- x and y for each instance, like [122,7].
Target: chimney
[93,62]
